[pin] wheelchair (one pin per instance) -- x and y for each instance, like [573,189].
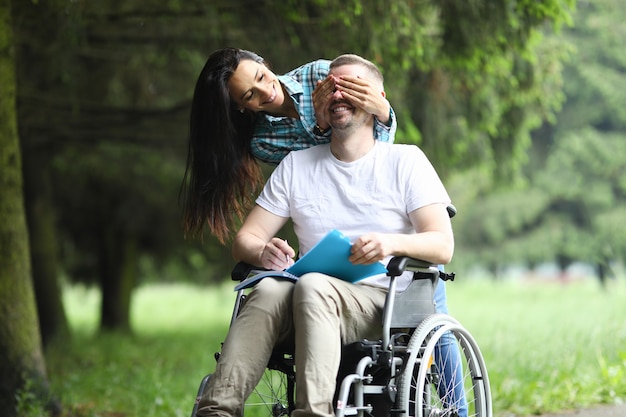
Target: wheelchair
[426,364]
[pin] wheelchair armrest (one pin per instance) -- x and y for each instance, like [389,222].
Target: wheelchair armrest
[399,264]
[396,266]
[242,270]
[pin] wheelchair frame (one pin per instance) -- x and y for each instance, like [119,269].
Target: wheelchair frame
[404,373]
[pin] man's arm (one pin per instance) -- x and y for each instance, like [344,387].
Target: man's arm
[433,242]
[256,244]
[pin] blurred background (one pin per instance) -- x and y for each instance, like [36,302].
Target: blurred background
[521,106]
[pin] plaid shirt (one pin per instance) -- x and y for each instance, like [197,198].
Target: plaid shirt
[275,137]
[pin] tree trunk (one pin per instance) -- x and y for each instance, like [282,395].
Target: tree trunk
[43,246]
[38,24]
[22,365]
[118,270]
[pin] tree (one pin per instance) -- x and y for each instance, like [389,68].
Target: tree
[470,79]
[584,171]
[110,83]
[571,206]
[72,167]
[32,29]
[23,366]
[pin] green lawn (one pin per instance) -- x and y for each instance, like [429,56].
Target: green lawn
[548,347]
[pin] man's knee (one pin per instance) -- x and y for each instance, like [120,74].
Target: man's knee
[313,288]
[271,295]
[274,287]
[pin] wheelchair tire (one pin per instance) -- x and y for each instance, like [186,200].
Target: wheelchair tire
[424,390]
[203,383]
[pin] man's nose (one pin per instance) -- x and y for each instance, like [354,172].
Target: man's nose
[337,94]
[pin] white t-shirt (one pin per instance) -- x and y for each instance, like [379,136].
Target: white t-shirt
[372,194]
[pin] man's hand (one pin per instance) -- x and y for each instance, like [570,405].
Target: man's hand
[370,248]
[364,94]
[277,255]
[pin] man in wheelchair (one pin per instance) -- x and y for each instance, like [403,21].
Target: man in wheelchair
[387,198]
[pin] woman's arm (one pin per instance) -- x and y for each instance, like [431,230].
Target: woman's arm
[386,132]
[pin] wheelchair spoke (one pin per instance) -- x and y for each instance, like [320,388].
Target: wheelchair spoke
[270,397]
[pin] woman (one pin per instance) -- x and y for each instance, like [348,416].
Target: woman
[240,111]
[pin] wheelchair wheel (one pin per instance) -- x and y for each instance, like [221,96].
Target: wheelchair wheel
[274,394]
[435,384]
[203,383]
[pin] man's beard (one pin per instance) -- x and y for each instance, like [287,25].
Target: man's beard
[348,124]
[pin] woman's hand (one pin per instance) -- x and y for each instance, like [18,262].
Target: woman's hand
[364,94]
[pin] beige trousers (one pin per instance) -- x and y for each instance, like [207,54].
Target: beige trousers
[319,314]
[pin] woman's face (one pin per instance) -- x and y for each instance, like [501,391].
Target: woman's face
[254,87]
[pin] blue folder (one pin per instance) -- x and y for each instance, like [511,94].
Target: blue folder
[330,256]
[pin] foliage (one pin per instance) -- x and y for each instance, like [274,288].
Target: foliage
[570,206]
[595,81]
[29,404]
[474,77]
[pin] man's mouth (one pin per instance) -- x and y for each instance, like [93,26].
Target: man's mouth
[338,108]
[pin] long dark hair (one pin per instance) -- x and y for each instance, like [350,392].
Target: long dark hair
[222,177]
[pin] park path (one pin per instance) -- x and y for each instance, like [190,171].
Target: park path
[600,411]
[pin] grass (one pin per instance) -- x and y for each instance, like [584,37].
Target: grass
[548,347]
[156,371]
